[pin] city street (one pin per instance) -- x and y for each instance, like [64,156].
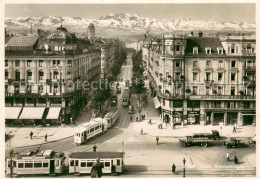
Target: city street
[144,158]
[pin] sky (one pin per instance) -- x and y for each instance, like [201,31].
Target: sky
[240,12]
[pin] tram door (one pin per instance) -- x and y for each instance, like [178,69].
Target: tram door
[52,166]
[113,168]
[85,135]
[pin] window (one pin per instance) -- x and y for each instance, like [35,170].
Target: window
[208,50]
[41,63]
[233,64]
[46,164]
[177,48]
[163,102]
[77,163]
[194,90]
[233,76]
[232,92]
[53,62]
[37,165]
[195,63]
[14,163]
[58,62]
[20,165]
[217,104]
[69,75]
[107,164]
[90,164]
[118,162]
[208,63]
[6,74]
[220,50]
[6,63]
[55,75]
[177,76]
[220,90]
[195,76]
[220,76]
[177,63]
[57,163]
[220,63]
[28,165]
[97,127]
[69,63]
[195,50]
[231,105]
[92,129]
[83,164]
[233,48]
[207,90]
[17,63]
[29,75]
[208,76]
[29,63]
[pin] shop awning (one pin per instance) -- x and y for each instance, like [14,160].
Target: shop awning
[32,113]
[53,113]
[12,112]
[157,103]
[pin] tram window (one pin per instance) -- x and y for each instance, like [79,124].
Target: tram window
[82,134]
[92,129]
[37,165]
[8,163]
[45,165]
[89,164]
[14,163]
[72,163]
[57,163]
[28,165]
[83,164]
[77,163]
[97,127]
[88,131]
[118,162]
[20,165]
[107,164]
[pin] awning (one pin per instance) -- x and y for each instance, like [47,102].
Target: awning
[12,112]
[53,113]
[157,103]
[32,113]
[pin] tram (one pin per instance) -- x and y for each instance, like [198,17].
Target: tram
[111,117]
[81,162]
[89,129]
[32,163]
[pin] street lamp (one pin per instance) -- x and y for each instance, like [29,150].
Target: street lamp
[184,161]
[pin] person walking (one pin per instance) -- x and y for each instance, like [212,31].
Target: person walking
[173,168]
[173,125]
[31,134]
[157,140]
[131,119]
[227,156]
[234,129]
[136,118]
[94,148]
[46,137]
[150,121]
[142,131]
[235,159]
[96,170]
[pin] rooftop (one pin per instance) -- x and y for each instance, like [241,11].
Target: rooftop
[23,41]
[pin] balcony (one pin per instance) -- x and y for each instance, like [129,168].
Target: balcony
[250,68]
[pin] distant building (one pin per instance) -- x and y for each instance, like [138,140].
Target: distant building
[202,79]
[91,31]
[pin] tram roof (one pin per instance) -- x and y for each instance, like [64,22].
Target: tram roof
[94,155]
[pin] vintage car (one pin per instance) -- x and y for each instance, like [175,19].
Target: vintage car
[234,142]
[131,110]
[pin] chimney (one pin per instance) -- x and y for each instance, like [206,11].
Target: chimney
[200,34]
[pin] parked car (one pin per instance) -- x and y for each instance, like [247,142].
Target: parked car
[234,142]
[113,102]
[131,110]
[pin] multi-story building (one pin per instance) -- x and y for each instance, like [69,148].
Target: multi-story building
[49,72]
[203,79]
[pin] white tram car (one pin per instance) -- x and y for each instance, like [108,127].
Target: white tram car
[111,117]
[81,162]
[31,163]
[89,129]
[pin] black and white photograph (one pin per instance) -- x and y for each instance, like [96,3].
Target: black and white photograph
[128,89]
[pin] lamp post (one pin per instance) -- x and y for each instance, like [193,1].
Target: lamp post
[184,161]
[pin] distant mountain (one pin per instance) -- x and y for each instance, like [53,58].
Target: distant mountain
[129,23]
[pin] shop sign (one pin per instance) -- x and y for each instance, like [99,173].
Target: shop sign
[191,109]
[177,109]
[202,97]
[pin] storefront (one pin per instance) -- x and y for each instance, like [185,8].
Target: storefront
[177,115]
[193,115]
[232,118]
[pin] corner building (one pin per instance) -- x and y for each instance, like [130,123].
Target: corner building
[203,80]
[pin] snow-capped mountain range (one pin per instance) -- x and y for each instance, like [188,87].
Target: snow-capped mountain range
[130,23]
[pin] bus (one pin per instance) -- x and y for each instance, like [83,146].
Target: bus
[126,97]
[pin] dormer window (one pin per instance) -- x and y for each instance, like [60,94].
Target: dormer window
[195,50]
[220,50]
[208,50]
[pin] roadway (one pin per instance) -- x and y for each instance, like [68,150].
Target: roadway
[144,158]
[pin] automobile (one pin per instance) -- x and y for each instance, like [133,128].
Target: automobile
[118,90]
[252,141]
[215,135]
[113,102]
[131,110]
[234,142]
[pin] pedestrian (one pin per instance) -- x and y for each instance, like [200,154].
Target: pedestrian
[173,125]
[141,131]
[96,170]
[235,159]
[94,148]
[234,129]
[173,168]
[131,119]
[150,121]
[31,134]
[157,140]
[227,155]
[136,118]
[46,137]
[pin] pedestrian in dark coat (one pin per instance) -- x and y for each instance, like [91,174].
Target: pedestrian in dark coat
[131,119]
[31,134]
[94,148]
[46,137]
[235,159]
[137,118]
[96,170]
[173,168]
[157,140]
[173,125]
[234,129]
